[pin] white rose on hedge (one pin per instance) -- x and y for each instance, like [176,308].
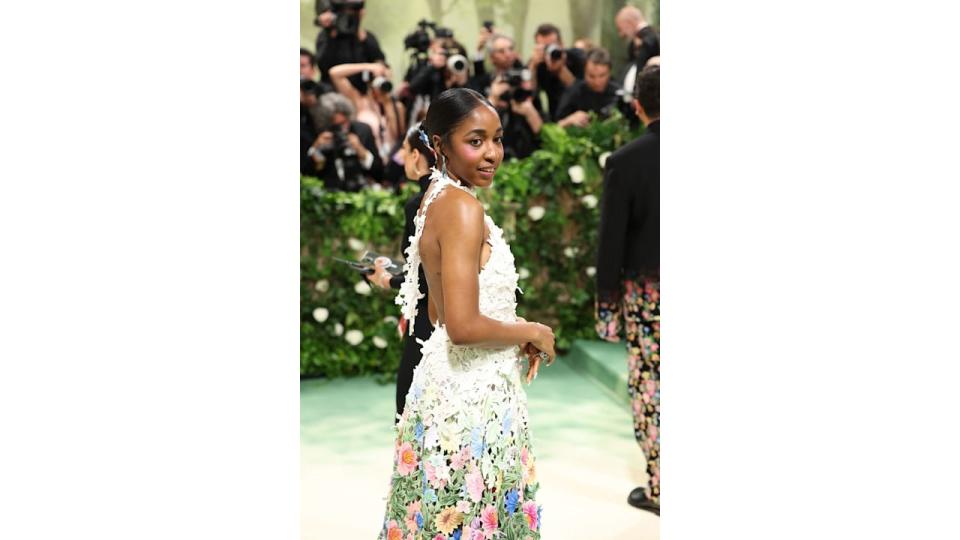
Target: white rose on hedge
[338,329]
[576,174]
[603,159]
[354,337]
[390,319]
[321,314]
[591,271]
[570,252]
[362,287]
[322,285]
[590,201]
[536,213]
[355,244]
[524,273]
[379,342]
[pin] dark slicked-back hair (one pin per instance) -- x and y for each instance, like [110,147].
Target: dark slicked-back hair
[647,90]
[450,109]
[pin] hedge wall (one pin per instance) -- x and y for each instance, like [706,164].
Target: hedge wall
[547,205]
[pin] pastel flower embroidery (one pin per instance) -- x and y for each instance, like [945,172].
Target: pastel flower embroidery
[489,520]
[406,459]
[510,502]
[530,513]
[475,485]
[413,512]
[448,519]
[476,442]
[393,531]
[530,471]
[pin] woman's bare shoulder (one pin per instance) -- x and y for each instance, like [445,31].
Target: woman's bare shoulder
[456,210]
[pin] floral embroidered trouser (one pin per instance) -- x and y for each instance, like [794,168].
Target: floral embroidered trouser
[641,315]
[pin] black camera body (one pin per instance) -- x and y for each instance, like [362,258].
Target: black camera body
[345,160]
[419,39]
[347,13]
[515,78]
[554,52]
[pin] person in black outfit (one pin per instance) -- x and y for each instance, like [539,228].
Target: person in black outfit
[418,159]
[554,68]
[519,116]
[643,43]
[342,40]
[345,152]
[596,92]
[310,91]
[436,75]
[503,56]
[628,274]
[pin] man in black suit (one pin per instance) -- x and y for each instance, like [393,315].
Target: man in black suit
[628,274]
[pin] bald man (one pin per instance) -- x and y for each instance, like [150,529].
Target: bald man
[643,43]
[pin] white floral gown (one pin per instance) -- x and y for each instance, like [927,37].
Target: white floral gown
[463,466]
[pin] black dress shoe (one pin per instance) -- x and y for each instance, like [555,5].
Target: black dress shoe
[638,499]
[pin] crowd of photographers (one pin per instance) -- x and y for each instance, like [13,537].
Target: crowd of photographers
[353,120]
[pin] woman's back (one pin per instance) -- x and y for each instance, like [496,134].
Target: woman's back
[451,209]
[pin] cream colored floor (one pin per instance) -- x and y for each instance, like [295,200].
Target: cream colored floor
[588,460]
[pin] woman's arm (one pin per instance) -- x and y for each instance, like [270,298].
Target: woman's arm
[338,74]
[461,240]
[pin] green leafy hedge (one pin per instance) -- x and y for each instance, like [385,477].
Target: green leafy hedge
[547,204]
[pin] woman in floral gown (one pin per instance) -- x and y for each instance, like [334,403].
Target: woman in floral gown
[464,468]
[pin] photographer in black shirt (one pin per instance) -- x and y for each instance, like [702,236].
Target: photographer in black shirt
[554,68]
[512,95]
[345,152]
[595,93]
[342,40]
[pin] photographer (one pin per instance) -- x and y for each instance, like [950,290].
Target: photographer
[308,63]
[447,67]
[596,93]
[341,39]
[310,92]
[503,56]
[376,107]
[345,152]
[512,95]
[554,68]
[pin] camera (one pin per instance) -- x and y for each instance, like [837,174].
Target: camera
[383,84]
[456,63]
[419,39]
[345,160]
[515,78]
[554,51]
[347,21]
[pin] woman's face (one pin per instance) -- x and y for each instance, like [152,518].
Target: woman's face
[475,147]
[414,164]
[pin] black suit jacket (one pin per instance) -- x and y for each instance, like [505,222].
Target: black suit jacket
[629,239]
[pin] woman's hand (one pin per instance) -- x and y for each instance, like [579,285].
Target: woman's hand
[544,343]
